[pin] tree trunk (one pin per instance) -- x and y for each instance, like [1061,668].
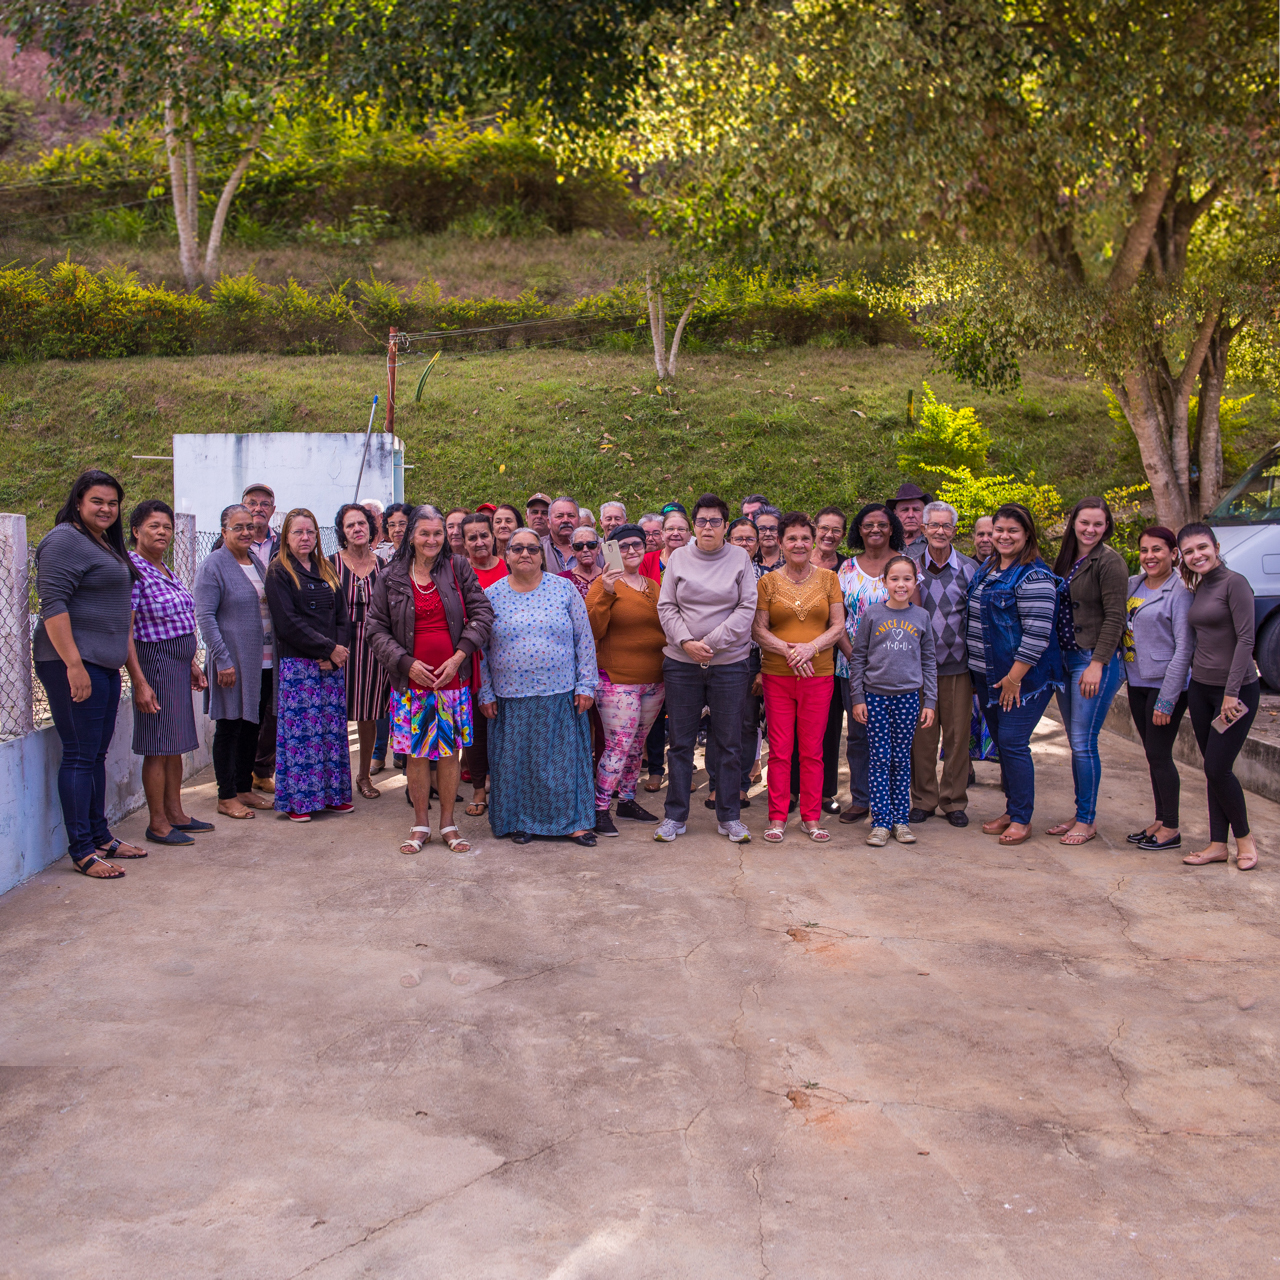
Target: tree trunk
[184,188]
[1213,377]
[214,246]
[1138,393]
[679,333]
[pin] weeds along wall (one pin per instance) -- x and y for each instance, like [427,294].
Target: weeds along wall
[69,312]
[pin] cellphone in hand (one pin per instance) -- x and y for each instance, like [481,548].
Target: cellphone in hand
[1221,723]
[612,556]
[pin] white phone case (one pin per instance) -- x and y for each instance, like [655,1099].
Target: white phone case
[612,556]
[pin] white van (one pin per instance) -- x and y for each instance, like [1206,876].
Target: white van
[1247,525]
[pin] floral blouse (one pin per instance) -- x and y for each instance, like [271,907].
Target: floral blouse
[541,642]
[860,591]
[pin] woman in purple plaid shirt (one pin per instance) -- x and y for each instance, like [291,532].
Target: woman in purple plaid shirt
[164,636]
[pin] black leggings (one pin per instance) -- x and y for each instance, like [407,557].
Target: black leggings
[1226,796]
[1157,741]
[235,747]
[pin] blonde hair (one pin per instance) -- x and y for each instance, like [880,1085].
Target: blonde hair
[284,557]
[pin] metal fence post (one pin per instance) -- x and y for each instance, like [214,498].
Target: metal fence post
[15,630]
[184,548]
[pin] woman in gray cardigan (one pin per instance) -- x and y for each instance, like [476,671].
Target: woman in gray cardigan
[236,624]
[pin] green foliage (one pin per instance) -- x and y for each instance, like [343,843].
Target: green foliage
[946,440]
[974,496]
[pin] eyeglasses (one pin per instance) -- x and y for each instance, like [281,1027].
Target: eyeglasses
[258,504]
[631,544]
[708,522]
[935,524]
[239,528]
[766,528]
[875,524]
[585,546]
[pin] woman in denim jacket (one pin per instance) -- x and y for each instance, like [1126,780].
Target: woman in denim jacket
[1014,657]
[1158,647]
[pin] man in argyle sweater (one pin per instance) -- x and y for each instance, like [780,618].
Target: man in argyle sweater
[944,588]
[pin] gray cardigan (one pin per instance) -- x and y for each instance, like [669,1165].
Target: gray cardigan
[230,618]
[1162,640]
[78,576]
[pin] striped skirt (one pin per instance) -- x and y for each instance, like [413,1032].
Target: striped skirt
[167,667]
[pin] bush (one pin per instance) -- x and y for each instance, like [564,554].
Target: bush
[974,496]
[946,441]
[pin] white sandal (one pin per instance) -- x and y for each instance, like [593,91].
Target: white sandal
[415,846]
[816,832]
[458,844]
[774,834]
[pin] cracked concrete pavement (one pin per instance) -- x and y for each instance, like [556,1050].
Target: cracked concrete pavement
[296,1052]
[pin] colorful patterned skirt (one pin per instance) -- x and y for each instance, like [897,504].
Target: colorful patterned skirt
[540,775]
[981,746]
[430,723]
[313,756]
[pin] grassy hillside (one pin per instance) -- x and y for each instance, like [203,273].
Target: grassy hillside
[804,425]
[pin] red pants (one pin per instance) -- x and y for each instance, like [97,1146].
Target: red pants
[788,699]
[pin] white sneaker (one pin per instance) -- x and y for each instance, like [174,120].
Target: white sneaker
[903,833]
[736,831]
[879,837]
[667,830]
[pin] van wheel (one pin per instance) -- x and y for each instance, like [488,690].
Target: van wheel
[1267,651]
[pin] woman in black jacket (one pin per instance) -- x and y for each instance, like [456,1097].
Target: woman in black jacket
[426,624]
[309,616]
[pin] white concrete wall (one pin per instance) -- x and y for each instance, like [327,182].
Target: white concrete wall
[312,469]
[32,834]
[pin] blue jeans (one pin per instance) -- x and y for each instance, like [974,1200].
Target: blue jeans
[1011,735]
[1082,717]
[85,729]
[722,690]
[381,737]
[858,754]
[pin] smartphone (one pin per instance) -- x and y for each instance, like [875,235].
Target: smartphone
[1222,724]
[612,556]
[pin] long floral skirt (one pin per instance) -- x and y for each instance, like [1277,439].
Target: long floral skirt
[313,756]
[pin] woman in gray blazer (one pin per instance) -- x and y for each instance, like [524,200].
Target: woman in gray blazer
[236,624]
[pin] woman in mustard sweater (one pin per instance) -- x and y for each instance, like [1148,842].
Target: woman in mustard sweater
[623,608]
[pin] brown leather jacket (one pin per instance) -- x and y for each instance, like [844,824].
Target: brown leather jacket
[390,621]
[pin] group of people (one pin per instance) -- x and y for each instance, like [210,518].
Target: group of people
[546,658]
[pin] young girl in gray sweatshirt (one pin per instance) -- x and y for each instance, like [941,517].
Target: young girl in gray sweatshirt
[893,662]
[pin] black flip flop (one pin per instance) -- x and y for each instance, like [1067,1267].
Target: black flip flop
[176,836]
[112,850]
[83,865]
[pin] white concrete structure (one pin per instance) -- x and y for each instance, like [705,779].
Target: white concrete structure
[32,834]
[312,469]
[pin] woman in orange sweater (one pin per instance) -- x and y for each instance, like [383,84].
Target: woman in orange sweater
[623,608]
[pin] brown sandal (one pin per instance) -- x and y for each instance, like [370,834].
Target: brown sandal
[997,825]
[367,789]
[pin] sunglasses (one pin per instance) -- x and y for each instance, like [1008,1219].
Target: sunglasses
[585,546]
[707,522]
[523,548]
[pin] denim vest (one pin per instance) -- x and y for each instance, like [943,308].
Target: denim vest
[1002,631]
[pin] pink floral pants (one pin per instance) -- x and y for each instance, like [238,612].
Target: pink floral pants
[627,712]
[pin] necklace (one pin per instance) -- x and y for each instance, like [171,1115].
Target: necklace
[799,583]
[413,577]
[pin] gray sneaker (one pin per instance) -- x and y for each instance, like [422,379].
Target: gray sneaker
[903,834]
[667,830]
[879,837]
[736,831]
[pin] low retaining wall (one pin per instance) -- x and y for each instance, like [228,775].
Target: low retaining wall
[1257,766]
[32,834]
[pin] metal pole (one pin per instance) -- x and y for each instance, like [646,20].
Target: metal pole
[368,431]
[393,346]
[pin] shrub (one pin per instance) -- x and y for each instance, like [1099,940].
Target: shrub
[974,496]
[946,440]
[237,296]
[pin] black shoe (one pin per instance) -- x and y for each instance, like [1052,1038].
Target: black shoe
[854,815]
[830,804]
[958,818]
[794,805]
[709,804]
[604,823]
[918,815]
[194,825]
[1138,837]
[744,802]
[174,837]
[630,810]
[521,837]
[587,839]
[1156,846]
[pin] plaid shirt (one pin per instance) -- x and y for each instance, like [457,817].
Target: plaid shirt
[162,606]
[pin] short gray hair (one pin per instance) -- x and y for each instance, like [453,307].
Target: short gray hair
[564,497]
[372,504]
[622,506]
[934,507]
[226,513]
[649,515]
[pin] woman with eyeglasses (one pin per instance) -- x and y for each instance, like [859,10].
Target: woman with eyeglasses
[623,607]
[537,681]
[586,552]
[769,555]
[876,535]
[312,630]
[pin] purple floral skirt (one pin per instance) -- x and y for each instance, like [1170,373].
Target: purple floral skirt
[313,756]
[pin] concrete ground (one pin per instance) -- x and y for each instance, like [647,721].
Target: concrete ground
[297,1052]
